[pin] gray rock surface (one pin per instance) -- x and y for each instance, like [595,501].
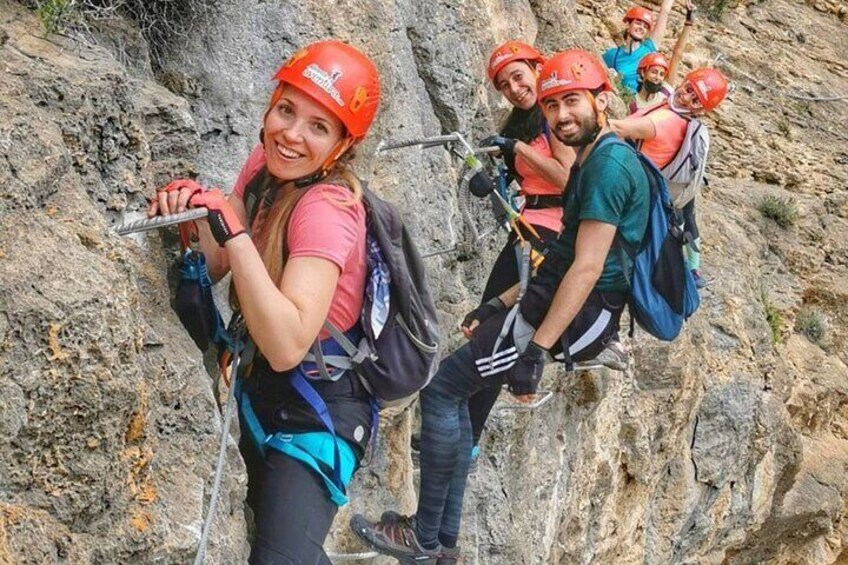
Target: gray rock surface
[728,446]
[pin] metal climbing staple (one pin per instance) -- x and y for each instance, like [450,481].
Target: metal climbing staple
[147,224]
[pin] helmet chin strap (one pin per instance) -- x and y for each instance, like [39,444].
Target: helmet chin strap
[601,121]
[672,103]
[322,172]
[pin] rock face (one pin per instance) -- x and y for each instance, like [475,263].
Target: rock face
[728,446]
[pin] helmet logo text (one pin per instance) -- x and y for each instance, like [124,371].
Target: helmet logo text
[553,81]
[325,81]
[500,58]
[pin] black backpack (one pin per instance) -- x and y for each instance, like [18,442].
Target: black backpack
[399,357]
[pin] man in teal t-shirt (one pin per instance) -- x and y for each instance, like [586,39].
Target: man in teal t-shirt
[624,59]
[570,310]
[610,187]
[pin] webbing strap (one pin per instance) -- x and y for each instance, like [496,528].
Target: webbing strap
[350,348]
[284,444]
[523,252]
[262,440]
[311,396]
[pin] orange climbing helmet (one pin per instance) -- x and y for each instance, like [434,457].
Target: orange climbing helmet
[509,52]
[641,14]
[653,60]
[710,86]
[572,70]
[340,78]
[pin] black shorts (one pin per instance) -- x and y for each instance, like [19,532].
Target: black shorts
[498,342]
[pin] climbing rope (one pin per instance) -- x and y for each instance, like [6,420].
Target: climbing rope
[721,59]
[219,467]
[458,246]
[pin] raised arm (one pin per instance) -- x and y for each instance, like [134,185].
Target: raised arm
[554,170]
[658,33]
[680,44]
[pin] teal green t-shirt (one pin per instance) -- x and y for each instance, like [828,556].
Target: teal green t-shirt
[611,187]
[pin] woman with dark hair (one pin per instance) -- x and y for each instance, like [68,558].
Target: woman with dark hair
[540,164]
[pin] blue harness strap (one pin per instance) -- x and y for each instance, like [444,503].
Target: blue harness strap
[311,447]
[221,336]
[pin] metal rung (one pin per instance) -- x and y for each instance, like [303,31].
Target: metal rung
[342,557]
[546,396]
[434,141]
[147,224]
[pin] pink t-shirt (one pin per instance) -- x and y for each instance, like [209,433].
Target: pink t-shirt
[671,129]
[532,183]
[325,224]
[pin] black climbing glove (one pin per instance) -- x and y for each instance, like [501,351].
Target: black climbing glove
[223,221]
[690,16]
[505,144]
[523,378]
[483,312]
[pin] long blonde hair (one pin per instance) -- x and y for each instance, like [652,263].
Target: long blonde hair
[272,225]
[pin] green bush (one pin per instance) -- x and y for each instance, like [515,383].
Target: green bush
[773,317]
[165,24]
[811,322]
[784,211]
[715,9]
[56,15]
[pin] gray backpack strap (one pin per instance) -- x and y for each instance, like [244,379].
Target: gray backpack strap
[321,361]
[353,358]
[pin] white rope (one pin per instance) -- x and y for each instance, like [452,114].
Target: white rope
[722,60]
[219,468]
[456,246]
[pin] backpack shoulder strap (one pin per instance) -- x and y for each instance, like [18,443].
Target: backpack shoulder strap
[253,193]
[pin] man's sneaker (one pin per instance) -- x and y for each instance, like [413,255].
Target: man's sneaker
[700,281]
[394,535]
[449,556]
[614,357]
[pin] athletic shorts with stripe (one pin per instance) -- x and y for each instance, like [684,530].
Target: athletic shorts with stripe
[499,340]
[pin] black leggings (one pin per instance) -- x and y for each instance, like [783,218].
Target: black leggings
[504,276]
[292,510]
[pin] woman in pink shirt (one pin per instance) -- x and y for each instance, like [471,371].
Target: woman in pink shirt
[660,132]
[303,263]
[540,164]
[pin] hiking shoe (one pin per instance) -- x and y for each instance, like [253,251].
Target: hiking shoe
[700,282]
[394,535]
[614,357]
[449,556]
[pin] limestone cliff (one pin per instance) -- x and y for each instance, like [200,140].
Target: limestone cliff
[728,446]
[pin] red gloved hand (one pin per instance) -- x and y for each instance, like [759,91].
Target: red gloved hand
[223,221]
[174,197]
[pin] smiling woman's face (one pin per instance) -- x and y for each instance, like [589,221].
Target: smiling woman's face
[299,135]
